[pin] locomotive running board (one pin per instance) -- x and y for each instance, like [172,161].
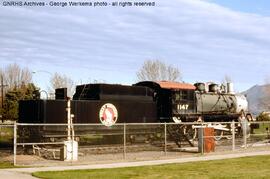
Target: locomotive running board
[216,127]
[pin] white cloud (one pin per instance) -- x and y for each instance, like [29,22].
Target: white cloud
[205,40]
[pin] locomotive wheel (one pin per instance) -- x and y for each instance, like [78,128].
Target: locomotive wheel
[24,134]
[132,138]
[218,134]
[220,131]
[149,138]
[190,132]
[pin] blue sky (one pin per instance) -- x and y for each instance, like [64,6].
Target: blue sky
[205,39]
[249,6]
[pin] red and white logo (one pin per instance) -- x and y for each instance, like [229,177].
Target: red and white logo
[108,114]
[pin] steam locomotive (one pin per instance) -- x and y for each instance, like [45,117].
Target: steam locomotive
[182,102]
[143,102]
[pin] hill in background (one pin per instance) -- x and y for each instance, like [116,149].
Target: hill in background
[255,96]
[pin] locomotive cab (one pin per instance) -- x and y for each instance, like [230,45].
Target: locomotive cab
[174,100]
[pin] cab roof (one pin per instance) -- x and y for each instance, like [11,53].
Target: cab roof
[175,85]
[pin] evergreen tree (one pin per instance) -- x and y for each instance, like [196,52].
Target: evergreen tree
[11,104]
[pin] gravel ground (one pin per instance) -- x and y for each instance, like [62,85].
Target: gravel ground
[134,153]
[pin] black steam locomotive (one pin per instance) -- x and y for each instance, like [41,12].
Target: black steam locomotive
[143,102]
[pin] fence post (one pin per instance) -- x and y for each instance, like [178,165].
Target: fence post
[165,138]
[202,141]
[124,140]
[233,135]
[14,143]
[245,133]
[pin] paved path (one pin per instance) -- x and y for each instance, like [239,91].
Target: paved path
[25,173]
[14,175]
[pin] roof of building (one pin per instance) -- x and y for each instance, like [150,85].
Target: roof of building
[175,85]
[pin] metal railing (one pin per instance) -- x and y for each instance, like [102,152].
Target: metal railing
[132,138]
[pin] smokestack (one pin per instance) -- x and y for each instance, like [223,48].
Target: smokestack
[230,88]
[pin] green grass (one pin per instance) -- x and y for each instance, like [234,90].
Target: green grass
[262,129]
[6,165]
[247,167]
[6,134]
[261,132]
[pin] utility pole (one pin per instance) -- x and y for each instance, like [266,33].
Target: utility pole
[2,95]
[2,91]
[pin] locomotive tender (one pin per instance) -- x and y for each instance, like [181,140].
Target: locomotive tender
[143,102]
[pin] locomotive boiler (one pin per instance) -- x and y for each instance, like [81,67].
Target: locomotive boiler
[217,100]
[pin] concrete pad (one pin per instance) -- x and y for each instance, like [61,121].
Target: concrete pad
[140,163]
[15,175]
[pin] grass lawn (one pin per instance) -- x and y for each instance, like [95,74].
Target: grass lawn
[6,165]
[262,128]
[246,167]
[6,134]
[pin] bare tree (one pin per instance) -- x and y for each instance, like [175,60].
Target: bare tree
[15,84]
[62,81]
[156,70]
[15,76]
